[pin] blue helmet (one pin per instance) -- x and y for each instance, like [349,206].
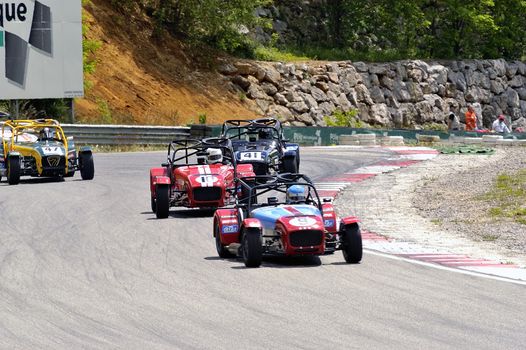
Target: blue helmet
[296,193]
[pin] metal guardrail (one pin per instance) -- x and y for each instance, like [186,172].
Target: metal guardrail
[124,134]
[162,135]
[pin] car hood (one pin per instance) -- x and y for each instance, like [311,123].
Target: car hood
[215,169]
[47,148]
[269,215]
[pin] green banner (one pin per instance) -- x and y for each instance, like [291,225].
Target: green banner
[1,38]
[327,136]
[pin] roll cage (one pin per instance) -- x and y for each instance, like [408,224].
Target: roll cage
[31,126]
[247,127]
[184,150]
[253,188]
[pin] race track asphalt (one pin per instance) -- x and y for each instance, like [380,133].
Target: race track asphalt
[86,265]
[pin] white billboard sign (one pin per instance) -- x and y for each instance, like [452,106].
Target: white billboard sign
[40,49]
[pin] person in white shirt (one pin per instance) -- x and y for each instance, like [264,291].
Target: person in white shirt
[452,122]
[499,125]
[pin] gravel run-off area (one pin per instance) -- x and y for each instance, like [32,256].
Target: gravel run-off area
[440,203]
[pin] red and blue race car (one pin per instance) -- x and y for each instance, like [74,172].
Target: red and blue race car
[283,216]
[198,174]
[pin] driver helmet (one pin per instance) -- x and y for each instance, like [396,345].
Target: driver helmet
[265,134]
[46,134]
[214,156]
[201,157]
[296,194]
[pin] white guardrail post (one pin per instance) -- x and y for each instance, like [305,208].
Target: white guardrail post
[124,134]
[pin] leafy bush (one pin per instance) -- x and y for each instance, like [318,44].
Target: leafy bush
[105,113]
[435,127]
[345,119]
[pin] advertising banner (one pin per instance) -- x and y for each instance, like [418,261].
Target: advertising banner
[40,49]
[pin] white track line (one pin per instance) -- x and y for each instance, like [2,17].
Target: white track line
[440,267]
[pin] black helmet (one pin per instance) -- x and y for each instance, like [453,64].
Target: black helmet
[265,134]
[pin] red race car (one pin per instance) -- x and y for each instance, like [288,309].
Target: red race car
[198,174]
[290,220]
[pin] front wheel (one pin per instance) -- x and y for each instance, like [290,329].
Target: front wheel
[290,165]
[298,160]
[352,244]
[162,201]
[251,247]
[154,205]
[87,168]
[13,170]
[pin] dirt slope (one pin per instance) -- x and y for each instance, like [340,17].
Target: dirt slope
[139,81]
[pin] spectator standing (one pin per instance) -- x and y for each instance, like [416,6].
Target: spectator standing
[471,119]
[452,122]
[499,125]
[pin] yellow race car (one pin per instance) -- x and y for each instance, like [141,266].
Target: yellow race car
[40,148]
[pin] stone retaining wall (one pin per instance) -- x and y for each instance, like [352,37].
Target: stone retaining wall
[403,94]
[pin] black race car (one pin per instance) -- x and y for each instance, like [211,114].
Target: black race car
[260,142]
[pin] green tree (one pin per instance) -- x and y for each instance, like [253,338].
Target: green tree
[219,23]
[509,39]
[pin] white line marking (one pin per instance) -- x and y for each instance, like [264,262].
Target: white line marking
[450,269]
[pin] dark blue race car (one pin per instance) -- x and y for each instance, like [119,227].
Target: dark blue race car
[260,142]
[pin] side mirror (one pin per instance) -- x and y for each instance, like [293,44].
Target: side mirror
[327,200]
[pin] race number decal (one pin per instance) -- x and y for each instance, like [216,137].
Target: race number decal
[206,180]
[51,150]
[302,221]
[251,156]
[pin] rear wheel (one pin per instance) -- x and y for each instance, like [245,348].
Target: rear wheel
[251,247]
[162,201]
[221,249]
[290,165]
[87,169]
[13,170]
[352,244]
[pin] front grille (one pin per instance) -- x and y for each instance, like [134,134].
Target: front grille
[53,162]
[207,194]
[306,238]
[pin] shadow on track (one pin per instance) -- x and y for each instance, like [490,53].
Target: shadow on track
[35,180]
[275,262]
[184,214]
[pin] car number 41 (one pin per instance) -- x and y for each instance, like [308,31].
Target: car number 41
[251,156]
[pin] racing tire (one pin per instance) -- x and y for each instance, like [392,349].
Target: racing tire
[290,165]
[87,169]
[162,201]
[154,205]
[221,249]
[13,170]
[352,244]
[252,248]
[298,161]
